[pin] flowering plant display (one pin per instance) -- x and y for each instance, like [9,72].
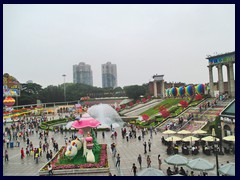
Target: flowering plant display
[103,161]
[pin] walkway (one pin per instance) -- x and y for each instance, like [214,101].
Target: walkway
[128,151]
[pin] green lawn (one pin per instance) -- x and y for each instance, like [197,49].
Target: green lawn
[78,159]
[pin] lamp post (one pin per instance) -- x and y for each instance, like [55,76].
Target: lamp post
[220,138]
[216,154]
[64,86]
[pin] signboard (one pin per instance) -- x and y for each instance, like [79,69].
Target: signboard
[158,77]
[222,59]
[11,86]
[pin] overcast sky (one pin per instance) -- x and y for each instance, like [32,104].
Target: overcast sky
[43,42]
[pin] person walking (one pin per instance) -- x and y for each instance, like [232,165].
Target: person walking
[148,162]
[145,147]
[118,160]
[134,169]
[22,153]
[50,169]
[149,145]
[140,160]
[159,162]
[6,155]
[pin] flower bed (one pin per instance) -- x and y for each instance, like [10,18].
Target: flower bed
[103,162]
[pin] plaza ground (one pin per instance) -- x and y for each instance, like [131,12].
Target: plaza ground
[128,151]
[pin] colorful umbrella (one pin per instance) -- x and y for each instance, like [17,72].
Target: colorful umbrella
[181,91]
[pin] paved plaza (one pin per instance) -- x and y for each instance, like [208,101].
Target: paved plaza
[128,151]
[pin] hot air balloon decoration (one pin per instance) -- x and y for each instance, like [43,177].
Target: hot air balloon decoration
[174,92]
[200,89]
[189,90]
[168,92]
[181,91]
[9,101]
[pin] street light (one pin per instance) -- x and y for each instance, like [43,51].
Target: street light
[64,86]
[220,145]
[216,154]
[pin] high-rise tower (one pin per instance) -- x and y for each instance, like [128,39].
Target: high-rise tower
[109,75]
[82,73]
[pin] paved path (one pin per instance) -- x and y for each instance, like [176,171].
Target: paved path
[128,152]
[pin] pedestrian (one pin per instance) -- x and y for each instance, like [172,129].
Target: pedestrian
[50,169]
[149,145]
[145,147]
[36,157]
[6,155]
[118,160]
[134,169]
[140,160]
[22,153]
[148,162]
[159,162]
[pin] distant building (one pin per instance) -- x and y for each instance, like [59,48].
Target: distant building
[82,73]
[109,75]
[29,82]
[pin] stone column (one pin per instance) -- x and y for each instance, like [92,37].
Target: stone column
[220,79]
[155,88]
[211,80]
[228,78]
[163,89]
[232,82]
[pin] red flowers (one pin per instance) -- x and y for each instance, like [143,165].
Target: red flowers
[184,104]
[198,97]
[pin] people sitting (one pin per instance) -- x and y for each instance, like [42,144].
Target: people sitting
[169,171]
[185,150]
[175,149]
[206,150]
[182,172]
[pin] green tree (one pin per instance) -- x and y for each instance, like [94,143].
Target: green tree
[30,92]
[134,91]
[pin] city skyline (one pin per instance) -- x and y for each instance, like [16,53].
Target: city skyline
[42,42]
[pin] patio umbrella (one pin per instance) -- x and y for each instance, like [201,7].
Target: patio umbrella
[199,132]
[200,164]
[190,139]
[210,139]
[227,169]
[176,160]
[169,132]
[177,175]
[150,172]
[173,138]
[184,132]
[229,138]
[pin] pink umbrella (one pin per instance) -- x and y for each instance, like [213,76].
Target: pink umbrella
[86,121]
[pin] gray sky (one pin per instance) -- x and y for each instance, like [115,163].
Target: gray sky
[42,42]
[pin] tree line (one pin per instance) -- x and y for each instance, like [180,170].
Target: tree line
[31,92]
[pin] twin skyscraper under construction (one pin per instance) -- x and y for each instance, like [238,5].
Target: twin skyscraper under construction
[82,73]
